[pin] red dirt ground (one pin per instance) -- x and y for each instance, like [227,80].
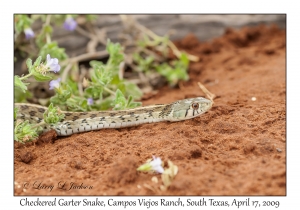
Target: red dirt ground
[236,148]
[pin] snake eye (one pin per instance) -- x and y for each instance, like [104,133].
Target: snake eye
[195,106]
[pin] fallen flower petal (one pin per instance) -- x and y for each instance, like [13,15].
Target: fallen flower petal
[154,165]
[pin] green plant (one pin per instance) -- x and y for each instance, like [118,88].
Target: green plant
[103,87]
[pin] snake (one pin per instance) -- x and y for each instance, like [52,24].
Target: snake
[76,122]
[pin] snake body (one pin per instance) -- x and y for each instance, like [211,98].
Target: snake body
[75,122]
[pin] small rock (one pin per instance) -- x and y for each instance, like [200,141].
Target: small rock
[279,150]
[26,157]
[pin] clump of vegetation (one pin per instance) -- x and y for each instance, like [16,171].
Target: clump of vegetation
[104,85]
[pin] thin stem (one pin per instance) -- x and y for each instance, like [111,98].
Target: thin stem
[79,85]
[26,76]
[39,124]
[209,95]
[110,91]
[154,36]
[83,32]
[48,19]
[178,53]
[48,38]
[66,71]
[87,56]
[105,88]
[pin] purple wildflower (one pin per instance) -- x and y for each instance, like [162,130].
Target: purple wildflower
[70,24]
[90,101]
[29,33]
[54,84]
[52,63]
[156,165]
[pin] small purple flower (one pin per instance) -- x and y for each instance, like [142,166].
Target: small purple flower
[52,63]
[70,24]
[156,165]
[29,33]
[90,101]
[54,84]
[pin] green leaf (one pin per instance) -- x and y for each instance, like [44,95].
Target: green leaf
[95,64]
[121,86]
[53,115]
[116,80]
[57,100]
[15,113]
[184,60]
[133,90]
[105,104]
[129,100]
[19,83]
[25,132]
[134,104]
[48,29]
[35,71]
[115,56]
[120,101]
[94,91]
[144,65]
[53,50]
[100,73]
[29,64]
[22,22]
[84,104]
[41,38]
[63,93]
[173,75]
[77,104]
[20,96]
[38,61]
[73,86]
[40,77]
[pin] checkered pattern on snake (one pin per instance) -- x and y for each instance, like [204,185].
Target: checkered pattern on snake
[75,122]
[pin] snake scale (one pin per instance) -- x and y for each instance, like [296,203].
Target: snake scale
[75,122]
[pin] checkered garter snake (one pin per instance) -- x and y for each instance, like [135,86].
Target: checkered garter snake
[75,122]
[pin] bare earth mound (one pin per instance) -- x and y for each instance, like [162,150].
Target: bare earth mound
[236,148]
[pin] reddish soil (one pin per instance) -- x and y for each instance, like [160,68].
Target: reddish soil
[236,148]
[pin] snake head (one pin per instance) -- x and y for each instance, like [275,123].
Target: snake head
[189,108]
